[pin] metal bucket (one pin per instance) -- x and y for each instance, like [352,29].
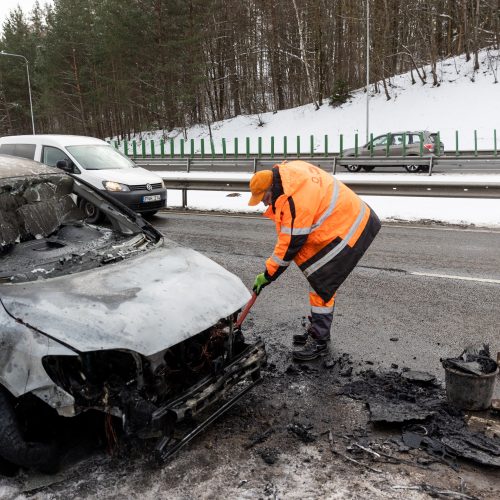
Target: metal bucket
[468,391]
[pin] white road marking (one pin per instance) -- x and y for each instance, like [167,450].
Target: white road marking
[414,273]
[453,277]
[464,229]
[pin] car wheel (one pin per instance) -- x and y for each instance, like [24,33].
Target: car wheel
[412,168]
[148,215]
[15,449]
[91,213]
[353,168]
[368,169]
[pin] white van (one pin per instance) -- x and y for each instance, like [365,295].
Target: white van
[97,163]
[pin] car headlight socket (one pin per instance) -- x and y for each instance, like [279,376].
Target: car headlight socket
[114,186]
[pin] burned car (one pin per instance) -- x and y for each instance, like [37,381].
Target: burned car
[114,318]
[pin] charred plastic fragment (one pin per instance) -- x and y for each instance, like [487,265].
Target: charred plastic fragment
[422,416]
[473,361]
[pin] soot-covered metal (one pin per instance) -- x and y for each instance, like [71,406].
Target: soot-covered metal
[43,233]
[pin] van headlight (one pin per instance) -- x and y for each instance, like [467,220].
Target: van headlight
[114,186]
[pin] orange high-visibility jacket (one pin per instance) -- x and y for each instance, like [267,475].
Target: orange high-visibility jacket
[322,225]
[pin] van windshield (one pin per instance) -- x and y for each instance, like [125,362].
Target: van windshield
[97,157]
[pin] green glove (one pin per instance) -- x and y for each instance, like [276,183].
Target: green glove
[260,282]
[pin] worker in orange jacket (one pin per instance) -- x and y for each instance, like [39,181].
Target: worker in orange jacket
[322,226]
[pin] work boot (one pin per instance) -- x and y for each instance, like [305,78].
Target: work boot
[314,350]
[301,338]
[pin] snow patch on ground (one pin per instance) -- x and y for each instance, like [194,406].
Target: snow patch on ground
[10,492]
[461,211]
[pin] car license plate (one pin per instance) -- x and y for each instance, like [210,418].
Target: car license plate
[151,197]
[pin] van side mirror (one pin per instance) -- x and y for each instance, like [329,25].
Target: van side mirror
[66,165]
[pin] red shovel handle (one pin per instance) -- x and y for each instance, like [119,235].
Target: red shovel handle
[244,313]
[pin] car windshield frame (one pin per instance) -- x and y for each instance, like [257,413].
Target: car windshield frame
[99,157]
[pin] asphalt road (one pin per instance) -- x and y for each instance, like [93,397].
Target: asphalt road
[251,452]
[434,289]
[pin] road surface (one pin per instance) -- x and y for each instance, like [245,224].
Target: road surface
[420,293]
[435,288]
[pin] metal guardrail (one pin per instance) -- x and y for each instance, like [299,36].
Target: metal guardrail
[329,164]
[414,186]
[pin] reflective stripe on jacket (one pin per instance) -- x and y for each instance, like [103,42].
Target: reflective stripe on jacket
[322,225]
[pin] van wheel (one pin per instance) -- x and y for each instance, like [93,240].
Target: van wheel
[15,449]
[368,168]
[91,213]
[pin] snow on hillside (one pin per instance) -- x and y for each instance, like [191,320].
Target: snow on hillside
[464,101]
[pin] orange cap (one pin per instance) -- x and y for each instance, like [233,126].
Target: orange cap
[259,184]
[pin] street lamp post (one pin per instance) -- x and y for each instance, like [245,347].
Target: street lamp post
[2,53]
[367,70]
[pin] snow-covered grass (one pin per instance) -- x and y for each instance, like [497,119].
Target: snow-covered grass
[481,213]
[465,101]
[463,211]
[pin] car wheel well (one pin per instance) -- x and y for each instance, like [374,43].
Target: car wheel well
[15,448]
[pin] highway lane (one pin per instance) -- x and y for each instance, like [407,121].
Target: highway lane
[434,289]
[481,166]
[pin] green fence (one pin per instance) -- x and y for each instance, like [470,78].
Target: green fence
[400,144]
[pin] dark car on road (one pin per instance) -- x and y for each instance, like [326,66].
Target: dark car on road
[397,144]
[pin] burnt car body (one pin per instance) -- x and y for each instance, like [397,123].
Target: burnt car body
[117,319]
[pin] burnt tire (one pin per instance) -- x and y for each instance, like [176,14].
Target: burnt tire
[8,469]
[15,449]
[91,213]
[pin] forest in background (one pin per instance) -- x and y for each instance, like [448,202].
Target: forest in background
[110,68]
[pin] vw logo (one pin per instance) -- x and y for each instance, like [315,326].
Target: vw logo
[149,187]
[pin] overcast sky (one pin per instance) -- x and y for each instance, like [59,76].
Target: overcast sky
[7,5]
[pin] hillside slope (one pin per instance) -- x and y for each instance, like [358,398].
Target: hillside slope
[464,101]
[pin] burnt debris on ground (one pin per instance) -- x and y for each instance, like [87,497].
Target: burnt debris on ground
[423,418]
[302,431]
[475,361]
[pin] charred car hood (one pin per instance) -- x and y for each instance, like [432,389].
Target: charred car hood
[143,304]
